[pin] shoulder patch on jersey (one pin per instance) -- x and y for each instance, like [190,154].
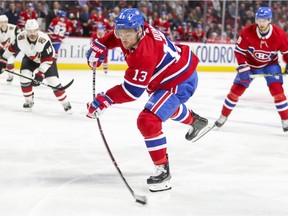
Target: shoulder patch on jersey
[21,37]
[41,40]
[11,27]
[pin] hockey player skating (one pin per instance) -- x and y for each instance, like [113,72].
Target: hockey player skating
[166,71]
[38,60]
[256,53]
[8,34]
[59,28]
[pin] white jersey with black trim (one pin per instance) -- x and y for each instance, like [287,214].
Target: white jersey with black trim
[6,37]
[40,51]
[34,49]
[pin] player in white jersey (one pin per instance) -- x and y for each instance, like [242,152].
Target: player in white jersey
[8,34]
[38,61]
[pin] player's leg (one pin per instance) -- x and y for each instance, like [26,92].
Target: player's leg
[183,92]
[150,125]
[161,105]
[10,67]
[231,100]
[56,44]
[27,68]
[275,85]
[52,79]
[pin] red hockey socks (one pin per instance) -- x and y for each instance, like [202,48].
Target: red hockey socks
[232,98]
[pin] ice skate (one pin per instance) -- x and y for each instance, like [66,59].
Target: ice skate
[221,121]
[10,78]
[198,124]
[160,180]
[67,107]
[29,102]
[28,105]
[285,125]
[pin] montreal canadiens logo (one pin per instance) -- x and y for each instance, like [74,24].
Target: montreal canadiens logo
[262,56]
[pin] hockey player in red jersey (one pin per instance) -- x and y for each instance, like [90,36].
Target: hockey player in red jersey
[38,60]
[97,19]
[163,24]
[256,53]
[27,14]
[59,28]
[165,70]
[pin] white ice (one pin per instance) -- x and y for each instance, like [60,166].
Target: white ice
[55,164]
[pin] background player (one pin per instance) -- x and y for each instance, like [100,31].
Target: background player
[38,60]
[166,71]
[8,34]
[100,32]
[163,24]
[59,28]
[256,53]
[27,14]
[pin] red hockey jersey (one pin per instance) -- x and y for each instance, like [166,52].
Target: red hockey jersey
[59,28]
[163,26]
[156,63]
[258,51]
[24,16]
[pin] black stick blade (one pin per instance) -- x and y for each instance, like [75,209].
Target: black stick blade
[66,86]
[141,199]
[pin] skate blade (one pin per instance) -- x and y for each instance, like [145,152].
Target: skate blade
[203,132]
[160,187]
[28,109]
[9,80]
[69,111]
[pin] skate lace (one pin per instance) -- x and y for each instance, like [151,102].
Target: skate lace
[190,130]
[159,170]
[67,105]
[285,123]
[29,103]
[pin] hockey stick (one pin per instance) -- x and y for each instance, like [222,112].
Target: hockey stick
[267,75]
[138,198]
[57,88]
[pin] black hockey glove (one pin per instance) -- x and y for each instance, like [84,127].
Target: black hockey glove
[3,64]
[286,69]
[38,79]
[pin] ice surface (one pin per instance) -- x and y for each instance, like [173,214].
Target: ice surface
[52,163]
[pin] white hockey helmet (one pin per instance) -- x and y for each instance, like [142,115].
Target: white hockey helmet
[3,18]
[31,24]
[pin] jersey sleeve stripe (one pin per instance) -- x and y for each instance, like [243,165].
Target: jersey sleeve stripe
[136,85]
[130,94]
[133,90]
[239,50]
[181,71]
[166,61]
